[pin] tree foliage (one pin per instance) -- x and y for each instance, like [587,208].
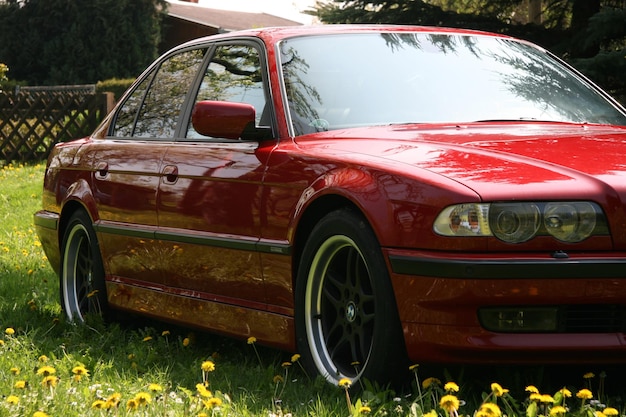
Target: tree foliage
[49,42]
[591,34]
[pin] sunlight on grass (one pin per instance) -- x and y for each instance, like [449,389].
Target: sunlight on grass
[49,367]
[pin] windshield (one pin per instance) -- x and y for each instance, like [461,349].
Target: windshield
[338,81]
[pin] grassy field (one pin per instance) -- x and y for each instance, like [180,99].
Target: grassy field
[49,367]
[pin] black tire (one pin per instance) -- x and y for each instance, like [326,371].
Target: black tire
[82,286]
[347,323]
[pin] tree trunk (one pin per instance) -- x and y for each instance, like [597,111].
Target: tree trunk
[534,11]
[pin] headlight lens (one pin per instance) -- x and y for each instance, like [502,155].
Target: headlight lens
[517,222]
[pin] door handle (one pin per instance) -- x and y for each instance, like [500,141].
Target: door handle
[170,174]
[102,169]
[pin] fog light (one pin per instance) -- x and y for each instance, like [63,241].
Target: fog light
[519,319]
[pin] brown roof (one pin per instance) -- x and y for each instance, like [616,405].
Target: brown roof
[225,20]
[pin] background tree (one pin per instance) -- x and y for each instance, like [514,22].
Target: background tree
[590,34]
[47,42]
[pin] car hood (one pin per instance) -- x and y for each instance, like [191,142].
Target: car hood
[498,160]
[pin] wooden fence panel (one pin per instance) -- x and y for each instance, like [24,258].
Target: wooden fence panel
[32,121]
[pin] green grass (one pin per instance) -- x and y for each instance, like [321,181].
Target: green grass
[154,369]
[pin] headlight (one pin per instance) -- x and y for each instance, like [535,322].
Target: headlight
[517,222]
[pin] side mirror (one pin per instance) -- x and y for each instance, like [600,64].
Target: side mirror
[222,119]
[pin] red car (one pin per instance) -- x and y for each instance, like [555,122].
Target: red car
[368,196]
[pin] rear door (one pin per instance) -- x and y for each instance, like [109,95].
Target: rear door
[127,167]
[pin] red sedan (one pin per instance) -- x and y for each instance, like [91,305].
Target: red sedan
[368,196]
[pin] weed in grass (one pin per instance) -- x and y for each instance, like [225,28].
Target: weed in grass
[51,367]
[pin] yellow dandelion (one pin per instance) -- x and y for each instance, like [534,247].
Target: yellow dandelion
[9,331]
[43,359]
[165,333]
[345,383]
[99,405]
[600,414]
[131,356]
[277,379]
[208,366]
[532,389]
[546,399]
[535,396]
[80,370]
[451,387]
[295,358]
[15,370]
[155,388]
[212,402]
[113,400]
[497,390]
[589,375]
[430,381]
[20,384]
[431,413]
[610,411]
[203,391]
[565,392]
[186,341]
[1,342]
[490,410]
[584,394]
[147,339]
[364,410]
[557,411]
[39,414]
[450,403]
[251,340]
[132,404]
[286,364]
[46,371]
[413,368]
[143,398]
[50,381]
[13,400]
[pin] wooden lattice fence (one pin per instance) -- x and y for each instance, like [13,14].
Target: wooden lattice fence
[34,119]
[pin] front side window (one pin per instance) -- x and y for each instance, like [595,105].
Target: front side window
[348,80]
[235,75]
[153,109]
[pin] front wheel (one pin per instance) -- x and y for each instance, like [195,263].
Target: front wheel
[82,286]
[347,322]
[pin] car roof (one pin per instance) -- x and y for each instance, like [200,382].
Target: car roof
[274,34]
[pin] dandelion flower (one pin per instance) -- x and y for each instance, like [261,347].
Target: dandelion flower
[295,358]
[286,364]
[451,387]
[208,366]
[79,372]
[13,400]
[430,381]
[251,340]
[43,359]
[413,368]
[143,398]
[203,391]
[46,370]
[546,399]
[584,394]
[565,392]
[557,411]
[113,400]
[20,384]
[15,370]
[345,383]
[490,410]
[212,402]
[50,381]
[132,404]
[165,333]
[147,339]
[431,413]
[155,388]
[9,331]
[99,405]
[497,390]
[364,410]
[186,341]
[450,403]
[532,389]
[610,411]
[589,375]
[40,414]
[278,379]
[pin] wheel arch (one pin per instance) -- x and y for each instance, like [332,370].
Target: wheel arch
[79,197]
[313,213]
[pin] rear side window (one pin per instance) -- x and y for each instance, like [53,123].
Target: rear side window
[153,109]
